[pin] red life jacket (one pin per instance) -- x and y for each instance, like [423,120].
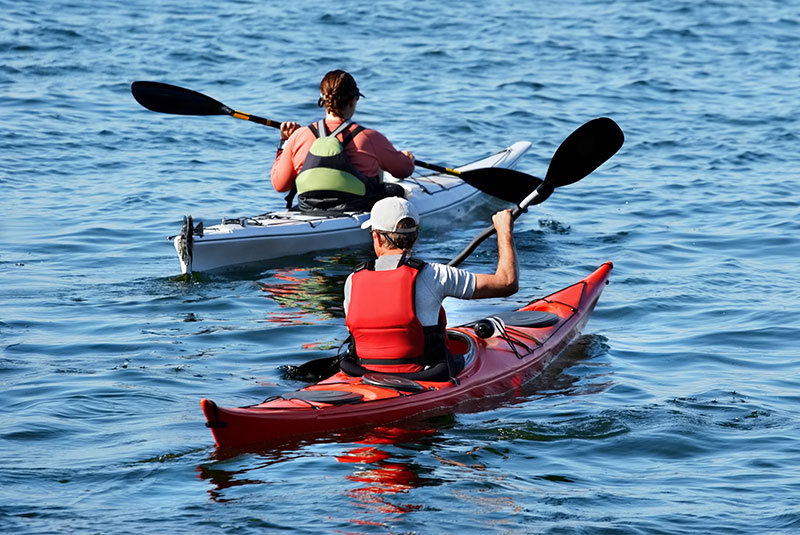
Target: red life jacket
[387,335]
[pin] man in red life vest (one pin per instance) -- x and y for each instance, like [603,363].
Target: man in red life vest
[394,303]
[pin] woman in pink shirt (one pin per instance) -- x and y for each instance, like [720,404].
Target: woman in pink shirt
[325,178]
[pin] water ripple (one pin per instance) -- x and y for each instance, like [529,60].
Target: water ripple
[674,413]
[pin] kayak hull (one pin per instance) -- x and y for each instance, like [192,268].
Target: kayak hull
[235,242]
[496,366]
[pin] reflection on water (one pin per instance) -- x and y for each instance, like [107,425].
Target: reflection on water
[555,381]
[222,480]
[388,463]
[313,292]
[381,475]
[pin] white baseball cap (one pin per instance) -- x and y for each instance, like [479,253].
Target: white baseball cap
[386,213]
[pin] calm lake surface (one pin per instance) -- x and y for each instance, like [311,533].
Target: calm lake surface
[677,410]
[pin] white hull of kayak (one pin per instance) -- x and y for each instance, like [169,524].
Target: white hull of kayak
[285,233]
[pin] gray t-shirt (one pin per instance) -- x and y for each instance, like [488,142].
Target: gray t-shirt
[433,284]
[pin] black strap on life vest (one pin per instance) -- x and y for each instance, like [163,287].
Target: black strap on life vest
[290,197]
[404,260]
[341,128]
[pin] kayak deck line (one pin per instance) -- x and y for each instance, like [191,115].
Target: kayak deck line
[494,367]
[293,216]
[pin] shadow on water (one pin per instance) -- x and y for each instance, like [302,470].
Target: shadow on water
[346,259]
[555,381]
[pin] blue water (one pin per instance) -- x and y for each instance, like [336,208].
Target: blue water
[675,412]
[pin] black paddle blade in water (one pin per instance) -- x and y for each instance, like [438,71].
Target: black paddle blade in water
[506,184]
[166,98]
[312,371]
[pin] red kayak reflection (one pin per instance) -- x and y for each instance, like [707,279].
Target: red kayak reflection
[312,294]
[383,475]
[379,473]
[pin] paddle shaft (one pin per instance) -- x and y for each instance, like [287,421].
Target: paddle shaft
[254,118]
[168,98]
[480,238]
[437,168]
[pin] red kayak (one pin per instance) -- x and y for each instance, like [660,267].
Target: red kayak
[500,355]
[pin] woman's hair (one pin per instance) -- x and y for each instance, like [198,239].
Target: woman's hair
[336,90]
[402,240]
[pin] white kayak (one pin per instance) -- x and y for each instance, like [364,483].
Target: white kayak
[247,240]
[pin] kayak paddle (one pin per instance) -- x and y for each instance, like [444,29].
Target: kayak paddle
[167,98]
[506,184]
[584,150]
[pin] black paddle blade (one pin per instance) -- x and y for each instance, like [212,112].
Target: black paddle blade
[506,184]
[166,98]
[312,371]
[584,150]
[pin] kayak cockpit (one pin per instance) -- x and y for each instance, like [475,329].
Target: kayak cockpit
[364,386]
[458,346]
